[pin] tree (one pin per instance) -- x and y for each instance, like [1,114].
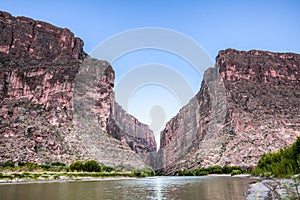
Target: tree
[76,166]
[91,166]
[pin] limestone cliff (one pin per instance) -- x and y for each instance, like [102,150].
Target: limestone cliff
[248,104]
[57,102]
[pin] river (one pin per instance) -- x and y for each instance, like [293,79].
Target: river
[158,188]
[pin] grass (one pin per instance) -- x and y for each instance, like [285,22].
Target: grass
[62,175]
[77,170]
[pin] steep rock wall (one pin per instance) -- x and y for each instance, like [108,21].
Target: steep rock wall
[138,136]
[56,101]
[93,101]
[248,104]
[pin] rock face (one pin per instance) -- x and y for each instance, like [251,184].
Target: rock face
[25,41]
[57,103]
[248,104]
[135,134]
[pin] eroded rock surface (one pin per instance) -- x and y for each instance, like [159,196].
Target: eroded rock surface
[248,104]
[57,102]
[135,134]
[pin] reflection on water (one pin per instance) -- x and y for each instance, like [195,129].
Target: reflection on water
[203,188]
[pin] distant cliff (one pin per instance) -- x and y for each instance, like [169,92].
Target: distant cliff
[57,103]
[138,136]
[248,104]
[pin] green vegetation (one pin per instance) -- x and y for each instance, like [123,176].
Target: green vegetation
[144,172]
[76,166]
[29,166]
[76,170]
[91,166]
[7,164]
[284,163]
[213,170]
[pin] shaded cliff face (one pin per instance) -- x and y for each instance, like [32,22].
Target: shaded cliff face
[93,102]
[248,104]
[57,102]
[138,136]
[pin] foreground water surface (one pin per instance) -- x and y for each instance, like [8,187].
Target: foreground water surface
[204,188]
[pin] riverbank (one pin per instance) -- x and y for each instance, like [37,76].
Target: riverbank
[273,188]
[229,175]
[42,177]
[11,177]
[86,179]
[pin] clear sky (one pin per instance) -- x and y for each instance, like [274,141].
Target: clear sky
[257,24]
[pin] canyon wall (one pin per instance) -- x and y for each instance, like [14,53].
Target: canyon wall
[138,136]
[57,103]
[248,104]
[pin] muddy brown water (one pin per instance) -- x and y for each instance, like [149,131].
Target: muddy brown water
[204,188]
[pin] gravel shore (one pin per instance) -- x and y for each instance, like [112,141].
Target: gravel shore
[273,189]
[61,179]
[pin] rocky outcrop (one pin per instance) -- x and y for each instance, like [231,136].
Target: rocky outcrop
[25,41]
[248,104]
[57,102]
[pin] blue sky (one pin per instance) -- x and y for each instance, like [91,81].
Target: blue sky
[214,25]
[269,25]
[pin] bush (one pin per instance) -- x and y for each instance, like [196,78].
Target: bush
[284,163]
[76,166]
[30,166]
[186,173]
[91,166]
[108,168]
[202,173]
[8,163]
[211,170]
[236,172]
[144,172]
[45,167]
[149,171]
[58,164]
[214,170]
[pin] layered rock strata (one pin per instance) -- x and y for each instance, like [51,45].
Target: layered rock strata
[57,102]
[248,104]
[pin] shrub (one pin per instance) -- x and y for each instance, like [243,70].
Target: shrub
[202,173]
[91,166]
[235,172]
[186,173]
[44,167]
[149,171]
[284,163]
[227,169]
[30,166]
[138,172]
[108,168]
[214,170]
[76,166]
[144,172]
[58,164]
[8,163]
